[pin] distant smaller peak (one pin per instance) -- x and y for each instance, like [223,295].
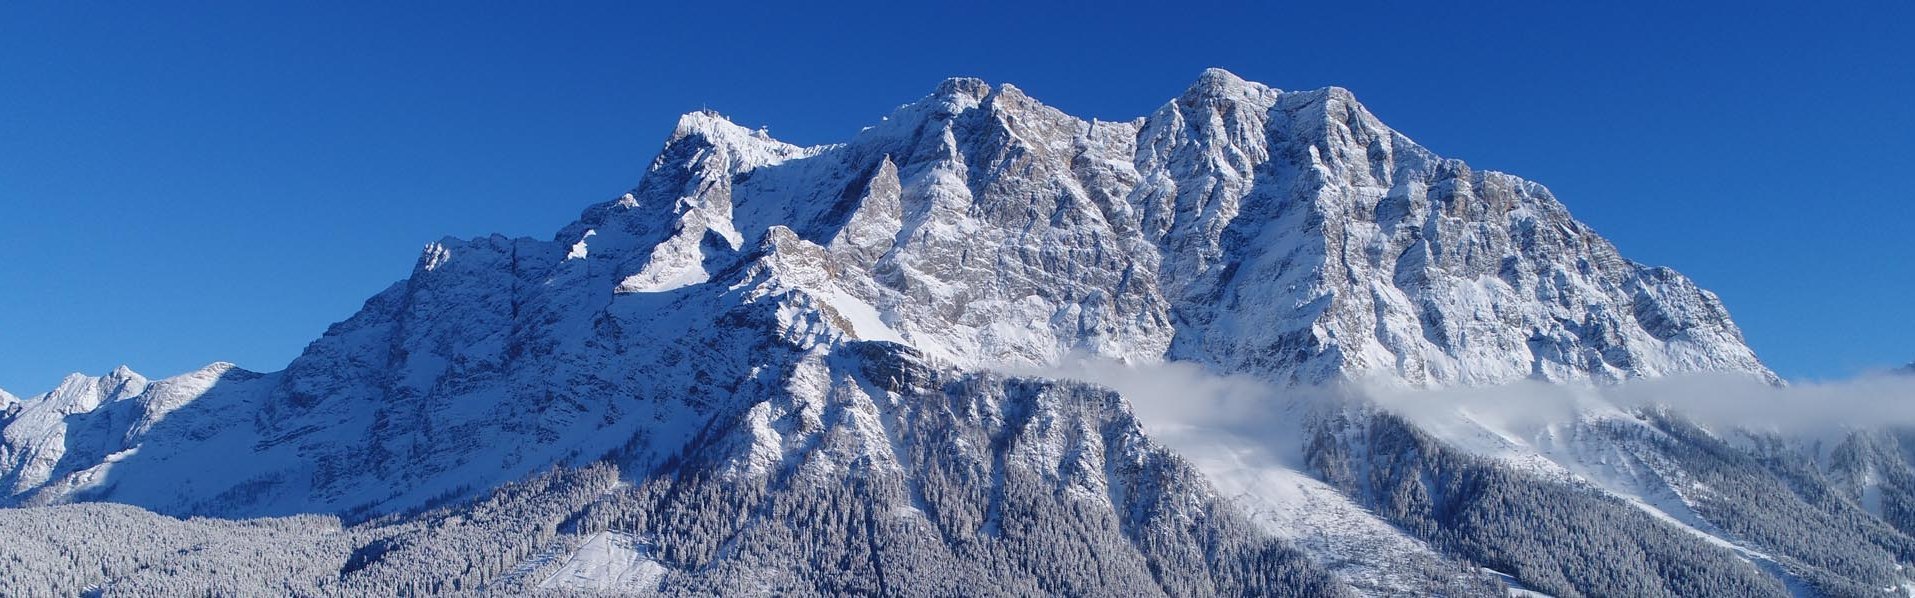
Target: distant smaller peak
[1331,93]
[121,382]
[952,97]
[126,381]
[970,87]
[1338,91]
[703,121]
[124,373]
[703,114]
[748,147]
[1217,77]
[1220,84]
[217,371]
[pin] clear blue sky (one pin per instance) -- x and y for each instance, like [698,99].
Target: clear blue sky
[182,182]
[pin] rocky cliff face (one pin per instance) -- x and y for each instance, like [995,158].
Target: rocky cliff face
[1286,235]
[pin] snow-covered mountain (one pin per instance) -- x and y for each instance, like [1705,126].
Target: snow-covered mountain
[1287,235]
[760,333]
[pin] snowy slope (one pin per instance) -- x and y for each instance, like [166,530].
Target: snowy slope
[607,561]
[1823,518]
[1365,551]
[876,470]
[37,438]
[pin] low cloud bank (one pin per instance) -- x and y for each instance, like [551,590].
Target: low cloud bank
[1200,412]
[1721,401]
[1178,397]
[1176,392]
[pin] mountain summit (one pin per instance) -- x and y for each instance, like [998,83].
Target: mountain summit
[1290,236]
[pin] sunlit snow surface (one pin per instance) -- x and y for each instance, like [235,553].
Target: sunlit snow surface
[1368,553]
[607,561]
